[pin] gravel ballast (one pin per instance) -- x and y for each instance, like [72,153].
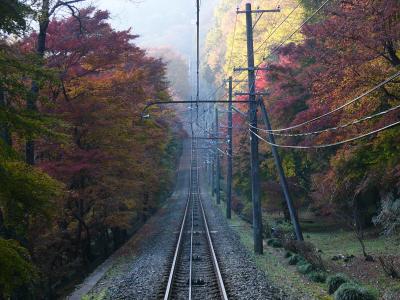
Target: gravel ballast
[139,269]
[243,279]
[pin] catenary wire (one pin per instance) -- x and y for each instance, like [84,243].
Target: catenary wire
[391,78]
[331,128]
[327,145]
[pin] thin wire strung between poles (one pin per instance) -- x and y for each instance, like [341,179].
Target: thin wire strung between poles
[286,39]
[223,152]
[326,145]
[272,33]
[276,28]
[233,43]
[391,78]
[297,29]
[332,128]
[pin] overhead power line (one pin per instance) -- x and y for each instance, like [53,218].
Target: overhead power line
[296,30]
[391,78]
[332,128]
[233,44]
[276,28]
[327,145]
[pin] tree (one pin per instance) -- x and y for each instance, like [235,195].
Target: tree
[45,9]
[13,15]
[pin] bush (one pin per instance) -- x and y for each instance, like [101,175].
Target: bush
[352,291]
[317,276]
[295,259]
[335,281]
[389,215]
[277,244]
[283,230]
[307,250]
[17,270]
[305,268]
[274,243]
[288,254]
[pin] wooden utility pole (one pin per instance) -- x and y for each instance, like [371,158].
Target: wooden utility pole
[282,177]
[214,182]
[255,178]
[198,58]
[230,142]
[218,167]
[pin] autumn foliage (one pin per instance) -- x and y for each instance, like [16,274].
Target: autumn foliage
[100,171]
[342,52]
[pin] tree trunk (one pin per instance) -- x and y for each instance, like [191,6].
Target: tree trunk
[4,128]
[44,20]
[395,60]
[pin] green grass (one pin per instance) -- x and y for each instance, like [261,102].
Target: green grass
[327,236]
[275,266]
[345,242]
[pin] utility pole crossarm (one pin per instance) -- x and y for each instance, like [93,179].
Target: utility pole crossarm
[253,94]
[254,160]
[259,11]
[240,69]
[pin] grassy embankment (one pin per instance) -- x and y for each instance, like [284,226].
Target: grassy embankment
[332,242]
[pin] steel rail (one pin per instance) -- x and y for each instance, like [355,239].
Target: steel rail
[194,191]
[192,226]
[217,270]
[179,243]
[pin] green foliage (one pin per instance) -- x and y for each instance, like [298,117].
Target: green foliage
[283,229]
[389,215]
[276,243]
[317,276]
[295,259]
[352,291]
[16,270]
[12,16]
[25,191]
[288,254]
[304,268]
[335,281]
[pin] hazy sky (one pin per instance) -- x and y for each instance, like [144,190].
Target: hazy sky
[160,22]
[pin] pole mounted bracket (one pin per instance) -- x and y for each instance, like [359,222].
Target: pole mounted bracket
[258,11]
[251,94]
[239,69]
[143,115]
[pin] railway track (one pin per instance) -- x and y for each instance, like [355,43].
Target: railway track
[194,273]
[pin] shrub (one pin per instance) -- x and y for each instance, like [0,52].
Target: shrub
[352,291]
[317,276]
[16,268]
[305,268]
[283,230]
[389,215]
[307,250]
[274,243]
[294,260]
[288,254]
[335,281]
